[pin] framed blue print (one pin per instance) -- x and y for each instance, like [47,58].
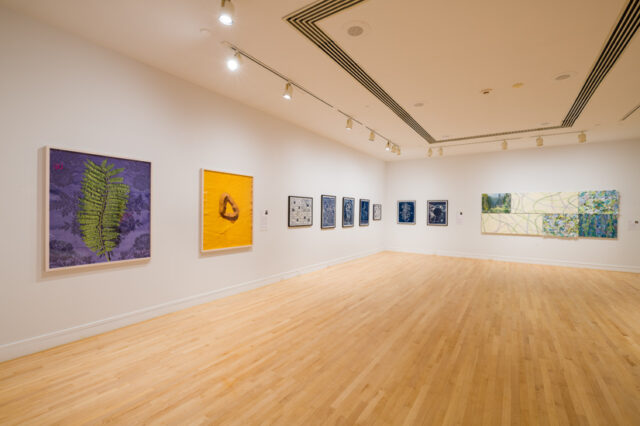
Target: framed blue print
[438,212]
[348,211]
[328,212]
[364,212]
[407,212]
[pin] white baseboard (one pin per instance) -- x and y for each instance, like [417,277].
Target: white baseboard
[532,260]
[39,343]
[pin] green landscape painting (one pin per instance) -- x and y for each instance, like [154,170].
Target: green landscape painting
[496,203]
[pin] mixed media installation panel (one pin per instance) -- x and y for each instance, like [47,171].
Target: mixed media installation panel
[377,211]
[98,209]
[364,212]
[348,211]
[438,212]
[328,212]
[407,212]
[300,211]
[227,210]
[590,214]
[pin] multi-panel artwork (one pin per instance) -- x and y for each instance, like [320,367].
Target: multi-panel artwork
[592,214]
[348,211]
[227,211]
[300,211]
[328,211]
[364,212]
[98,209]
[437,212]
[407,212]
[377,211]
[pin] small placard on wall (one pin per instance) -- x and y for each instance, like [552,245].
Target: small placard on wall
[264,220]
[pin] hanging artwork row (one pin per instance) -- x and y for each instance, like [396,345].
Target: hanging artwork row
[97,209]
[589,214]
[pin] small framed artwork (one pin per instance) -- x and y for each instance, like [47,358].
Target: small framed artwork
[300,211]
[98,209]
[226,211]
[348,211]
[328,211]
[407,212]
[438,212]
[377,211]
[364,212]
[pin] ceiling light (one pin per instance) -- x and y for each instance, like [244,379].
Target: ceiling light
[418,104]
[226,13]
[505,145]
[233,63]
[440,151]
[429,152]
[349,123]
[486,91]
[288,91]
[539,141]
[372,136]
[355,30]
[563,76]
[582,138]
[398,151]
[388,147]
[517,85]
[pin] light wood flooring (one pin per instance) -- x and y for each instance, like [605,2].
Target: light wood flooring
[393,338]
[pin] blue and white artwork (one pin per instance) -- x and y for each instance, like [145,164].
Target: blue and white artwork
[328,213]
[364,212]
[348,211]
[437,212]
[300,211]
[407,212]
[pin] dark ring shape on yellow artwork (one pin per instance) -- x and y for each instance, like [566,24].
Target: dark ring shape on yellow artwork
[224,199]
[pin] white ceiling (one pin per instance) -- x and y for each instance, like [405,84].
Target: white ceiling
[439,53]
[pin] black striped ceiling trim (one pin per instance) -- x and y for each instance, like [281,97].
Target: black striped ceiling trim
[305,21]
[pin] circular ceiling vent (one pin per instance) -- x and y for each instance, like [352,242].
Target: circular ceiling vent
[356,28]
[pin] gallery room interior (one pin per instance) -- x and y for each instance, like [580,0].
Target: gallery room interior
[301,212]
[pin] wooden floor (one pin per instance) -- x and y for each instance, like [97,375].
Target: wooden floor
[389,339]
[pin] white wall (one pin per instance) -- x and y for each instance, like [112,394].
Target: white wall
[59,90]
[462,180]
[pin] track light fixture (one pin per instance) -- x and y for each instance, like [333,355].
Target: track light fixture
[505,145]
[440,151]
[349,123]
[226,13]
[582,137]
[539,141]
[429,152]
[288,91]
[372,136]
[233,63]
[398,151]
[388,147]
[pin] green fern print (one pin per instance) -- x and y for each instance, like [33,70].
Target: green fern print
[102,205]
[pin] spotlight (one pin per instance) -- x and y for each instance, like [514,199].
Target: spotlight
[388,147]
[398,151]
[372,136]
[582,138]
[440,151]
[539,141]
[226,13]
[505,145]
[233,63]
[349,123]
[288,91]
[429,152]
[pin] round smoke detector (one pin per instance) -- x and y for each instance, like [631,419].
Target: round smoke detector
[356,28]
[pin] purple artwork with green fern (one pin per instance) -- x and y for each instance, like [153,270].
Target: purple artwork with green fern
[99,209]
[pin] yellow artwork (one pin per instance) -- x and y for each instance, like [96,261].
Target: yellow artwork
[227,210]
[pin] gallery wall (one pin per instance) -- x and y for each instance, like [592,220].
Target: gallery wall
[462,180]
[61,91]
